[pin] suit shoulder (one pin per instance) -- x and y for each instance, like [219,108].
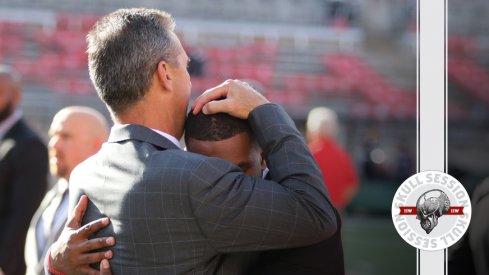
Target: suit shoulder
[192,165]
[180,158]
[21,131]
[24,146]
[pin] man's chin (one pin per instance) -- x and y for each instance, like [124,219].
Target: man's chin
[60,173]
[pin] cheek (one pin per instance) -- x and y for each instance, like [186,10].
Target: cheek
[188,88]
[3,97]
[77,151]
[256,169]
[188,82]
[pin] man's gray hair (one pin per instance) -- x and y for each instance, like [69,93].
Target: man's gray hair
[124,48]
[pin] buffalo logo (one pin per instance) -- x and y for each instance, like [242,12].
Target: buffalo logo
[431,205]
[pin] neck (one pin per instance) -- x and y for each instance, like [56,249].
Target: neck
[155,114]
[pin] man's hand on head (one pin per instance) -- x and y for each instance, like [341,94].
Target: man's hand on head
[239,99]
[71,254]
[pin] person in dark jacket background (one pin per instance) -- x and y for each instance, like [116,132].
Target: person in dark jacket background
[23,174]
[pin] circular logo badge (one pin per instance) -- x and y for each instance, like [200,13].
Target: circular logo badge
[431,210]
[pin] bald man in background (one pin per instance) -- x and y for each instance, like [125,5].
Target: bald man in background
[76,133]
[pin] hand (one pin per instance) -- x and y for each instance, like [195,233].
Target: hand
[239,99]
[71,252]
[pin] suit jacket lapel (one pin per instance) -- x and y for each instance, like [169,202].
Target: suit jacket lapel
[32,248]
[56,228]
[7,141]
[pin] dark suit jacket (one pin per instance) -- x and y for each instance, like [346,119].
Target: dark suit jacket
[470,255]
[324,258]
[23,182]
[176,212]
[478,232]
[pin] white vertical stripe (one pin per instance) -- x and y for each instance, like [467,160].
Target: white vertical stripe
[431,107]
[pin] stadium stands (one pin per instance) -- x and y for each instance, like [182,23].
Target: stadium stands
[302,62]
[56,60]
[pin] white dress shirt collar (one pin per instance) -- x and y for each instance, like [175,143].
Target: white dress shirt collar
[168,136]
[62,185]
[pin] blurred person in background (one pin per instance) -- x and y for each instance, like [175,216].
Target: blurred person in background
[336,165]
[76,133]
[23,174]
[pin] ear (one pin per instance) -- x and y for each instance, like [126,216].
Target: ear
[163,74]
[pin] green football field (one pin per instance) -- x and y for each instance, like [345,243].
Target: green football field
[373,247]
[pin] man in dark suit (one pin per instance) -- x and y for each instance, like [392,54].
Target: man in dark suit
[76,133]
[23,174]
[173,211]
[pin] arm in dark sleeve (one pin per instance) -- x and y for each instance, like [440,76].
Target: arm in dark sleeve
[240,213]
[30,164]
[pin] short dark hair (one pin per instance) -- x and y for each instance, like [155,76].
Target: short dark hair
[214,127]
[124,48]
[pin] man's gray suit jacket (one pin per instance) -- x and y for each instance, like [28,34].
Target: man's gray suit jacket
[175,212]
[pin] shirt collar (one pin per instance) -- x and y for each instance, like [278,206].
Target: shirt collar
[9,122]
[168,136]
[62,185]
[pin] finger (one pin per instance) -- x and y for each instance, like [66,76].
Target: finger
[215,107]
[204,95]
[105,267]
[210,95]
[87,270]
[92,227]
[95,257]
[97,244]
[76,217]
